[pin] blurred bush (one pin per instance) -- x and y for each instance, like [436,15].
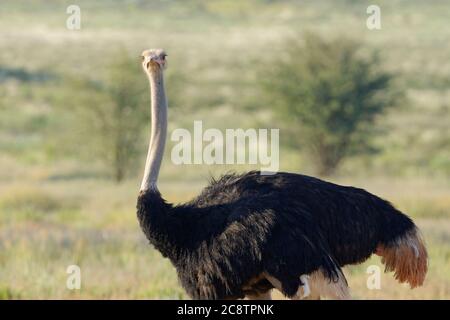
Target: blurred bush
[331,93]
[110,112]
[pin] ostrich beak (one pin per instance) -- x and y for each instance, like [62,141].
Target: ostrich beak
[146,60]
[160,61]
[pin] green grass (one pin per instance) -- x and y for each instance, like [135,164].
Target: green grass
[102,236]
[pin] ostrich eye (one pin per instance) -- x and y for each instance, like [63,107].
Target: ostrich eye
[142,57]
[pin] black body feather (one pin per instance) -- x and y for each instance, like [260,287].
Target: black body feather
[284,224]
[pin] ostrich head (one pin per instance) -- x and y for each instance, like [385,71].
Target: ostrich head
[153,59]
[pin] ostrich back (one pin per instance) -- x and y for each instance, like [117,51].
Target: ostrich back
[352,220]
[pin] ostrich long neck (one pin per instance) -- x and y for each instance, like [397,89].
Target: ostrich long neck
[158,129]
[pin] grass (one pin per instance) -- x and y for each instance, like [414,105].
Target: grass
[58,207]
[102,236]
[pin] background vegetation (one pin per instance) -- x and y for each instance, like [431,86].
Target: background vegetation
[60,132]
[331,94]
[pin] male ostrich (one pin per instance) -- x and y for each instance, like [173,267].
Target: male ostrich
[247,234]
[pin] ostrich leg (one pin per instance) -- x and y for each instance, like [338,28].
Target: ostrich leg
[315,286]
[262,296]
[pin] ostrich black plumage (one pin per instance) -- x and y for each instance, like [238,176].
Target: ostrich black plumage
[247,234]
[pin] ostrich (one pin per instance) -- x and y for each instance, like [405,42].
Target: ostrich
[247,234]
